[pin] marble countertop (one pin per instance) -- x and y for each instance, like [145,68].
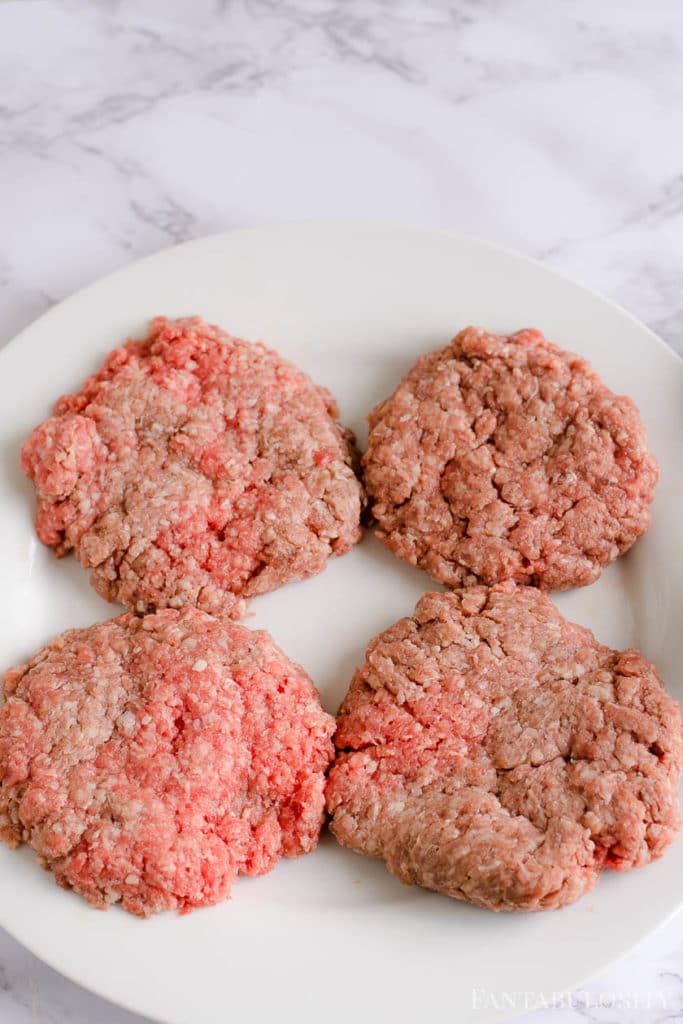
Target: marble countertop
[551,128]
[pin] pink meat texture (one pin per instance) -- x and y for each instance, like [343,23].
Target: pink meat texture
[148,761]
[195,468]
[493,751]
[506,458]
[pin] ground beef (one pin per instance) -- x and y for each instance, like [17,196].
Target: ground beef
[506,458]
[148,761]
[493,751]
[195,468]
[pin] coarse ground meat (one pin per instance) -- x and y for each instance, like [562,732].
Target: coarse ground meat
[148,761]
[195,468]
[506,458]
[493,751]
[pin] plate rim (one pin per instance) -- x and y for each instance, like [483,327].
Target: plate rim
[344,222]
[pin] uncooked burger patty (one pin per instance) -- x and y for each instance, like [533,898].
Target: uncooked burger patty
[195,468]
[493,751]
[506,458]
[148,761]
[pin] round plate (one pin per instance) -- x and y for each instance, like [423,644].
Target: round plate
[354,305]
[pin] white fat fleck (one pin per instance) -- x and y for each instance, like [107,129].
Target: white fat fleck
[199,665]
[131,879]
[495,711]
[126,723]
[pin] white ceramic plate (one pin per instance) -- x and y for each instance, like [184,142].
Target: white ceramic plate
[333,935]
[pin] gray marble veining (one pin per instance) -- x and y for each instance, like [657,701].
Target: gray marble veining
[552,128]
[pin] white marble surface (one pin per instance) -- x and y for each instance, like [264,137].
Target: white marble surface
[550,127]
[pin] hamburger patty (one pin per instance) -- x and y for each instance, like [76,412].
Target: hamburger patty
[195,468]
[148,761]
[491,750]
[506,458]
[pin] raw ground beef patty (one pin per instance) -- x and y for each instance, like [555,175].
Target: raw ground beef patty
[493,751]
[195,468]
[148,761]
[506,458]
